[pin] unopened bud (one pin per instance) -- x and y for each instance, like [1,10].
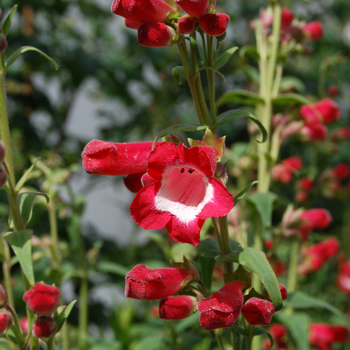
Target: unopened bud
[44,327]
[3,296]
[5,320]
[23,323]
[3,43]
[3,177]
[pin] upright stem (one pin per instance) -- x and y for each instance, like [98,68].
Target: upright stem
[228,266]
[6,269]
[293,267]
[83,311]
[211,79]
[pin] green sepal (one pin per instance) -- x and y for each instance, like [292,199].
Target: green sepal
[62,317]
[8,21]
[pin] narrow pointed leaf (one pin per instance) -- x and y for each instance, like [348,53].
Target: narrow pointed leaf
[223,58]
[63,317]
[24,49]
[207,268]
[300,300]
[25,176]
[298,326]
[256,261]
[209,248]
[20,242]
[239,113]
[263,203]
[239,96]
[179,128]
[112,267]
[241,194]
[7,23]
[290,99]
[260,330]
[250,51]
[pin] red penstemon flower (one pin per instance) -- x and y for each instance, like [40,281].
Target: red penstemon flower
[144,283]
[195,8]
[341,171]
[6,320]
[144,11]
[214,24]
[258,312]
[343,279]
[222,308]
[323,335]
[180,192]
[324,111]
[44,327]
[154,34]
[313,30]
[177,308]
[314,218]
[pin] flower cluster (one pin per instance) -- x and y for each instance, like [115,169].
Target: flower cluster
[159,22]
[315,256]
[322,335]
[343,279]
[43,300]
[279,335]
[283,172]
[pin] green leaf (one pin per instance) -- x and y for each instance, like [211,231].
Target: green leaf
[300,300]
[260,331]
[250,51]
[25,176]
[112,267]
[240,96]
[288,83]
[224,57]
[238,330]
[241,194]
[7,22]
[179,128]
[63,317]
[20,242]
[209,248]
[298,326]
[178,73]
[207,269]
[214,70]
[256,261]
[24,49]
[263,203]
[290,99]
[239,113]
[26,202]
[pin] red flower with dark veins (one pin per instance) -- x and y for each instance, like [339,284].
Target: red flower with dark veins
[180,192]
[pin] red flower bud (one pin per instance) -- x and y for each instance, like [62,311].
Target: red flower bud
[177,308]
[258,312]
[281,173]
[222,308]
[108,158]
[322,335]
[333,90]
[5,320]
[293,163]
[3,296]
[44,327]
[341,171]
[279,334]
[151,284]
[186,24]
[314,131]
[313,30]
[314,218]
[155,35]
[131,24]
[324,111]
[340,134]
[306,184]
[133,182]
[286,19]
[2,151]
[343,279]
[194,8]
[42,298]
[283,290]
[144,11]
[214,24]
[23,323]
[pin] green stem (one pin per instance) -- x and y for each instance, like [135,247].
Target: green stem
[189,75]
[6,269]
[293,267]
[219,339]
[228,266]
[50,344]
[16,327]
[250,337]
[211,79]
[83,311]
[54,234]
[277,82]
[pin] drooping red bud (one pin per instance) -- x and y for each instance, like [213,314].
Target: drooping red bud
[286,19]
[23,323]
[42,298]
[155,35]
[194,8]
[283,290]
[306,184]
[133,182]
[186,24]
[294,163]
[44,327]
[131,24]
[214,24]
[313,30]
[144,11]
[144,283]
[109,158]
[177,308]
[258,312]
[222,308]
[333,90]
[5,320]
[324,111]
[341,171]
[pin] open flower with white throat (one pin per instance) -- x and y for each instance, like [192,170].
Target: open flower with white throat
[180,192]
